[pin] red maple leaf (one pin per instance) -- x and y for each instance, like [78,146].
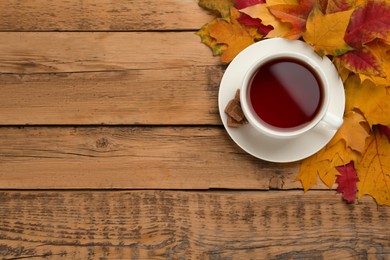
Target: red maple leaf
[296,15]
[249,21]
[367,23]
[361,61]
[347,182]
[255,22]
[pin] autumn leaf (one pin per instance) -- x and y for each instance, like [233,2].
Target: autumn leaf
[255,22]
[372,100]
[347,182]
[334,6]
[344,73]
[362,61]
[323,163]
[374,169]
[205,37]
[294,14]
[368,22]
[221,7]
[325,32]
[381,51]
[344,147]
[233,34]
[310,170]
[261,11]
[256,32]
[354,131]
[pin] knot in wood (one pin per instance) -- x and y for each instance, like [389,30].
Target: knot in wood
[102,143]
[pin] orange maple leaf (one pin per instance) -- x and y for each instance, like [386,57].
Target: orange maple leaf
[232,34]
[374,169]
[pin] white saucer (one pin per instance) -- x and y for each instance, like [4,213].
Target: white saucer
[265,147]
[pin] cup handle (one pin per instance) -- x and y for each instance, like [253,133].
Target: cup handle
[333,121]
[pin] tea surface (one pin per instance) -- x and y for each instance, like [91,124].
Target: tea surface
[285,93]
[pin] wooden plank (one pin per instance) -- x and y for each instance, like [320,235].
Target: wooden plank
[107,78]
[101,15]
[48,52]
[198,225]
[178,96]
[133,157]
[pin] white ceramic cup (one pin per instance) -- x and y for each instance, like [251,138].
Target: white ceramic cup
[323,115]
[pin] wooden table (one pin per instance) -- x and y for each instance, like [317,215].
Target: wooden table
[111,147]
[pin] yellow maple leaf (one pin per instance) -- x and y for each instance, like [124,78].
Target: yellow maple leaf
[323,163]
[233,34]
[344,147]
[354,131]
[374,169]
[310,170]
[325,32]
[372,100]
[261,11]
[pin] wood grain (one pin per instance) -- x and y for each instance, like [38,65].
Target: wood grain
[48,52]
[135,158]
[101,15]
[196,225]
[177,96]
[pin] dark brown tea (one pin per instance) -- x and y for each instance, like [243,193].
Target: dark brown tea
[286,93]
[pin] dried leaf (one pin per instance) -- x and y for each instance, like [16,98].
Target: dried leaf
[325,32]
[372,100]
[255,22]
[374,169]
[342,149]
[323,163]
[233,34]
[261,11]
[381,50]
[347,181]
[294,14]
[353,131]
[255,31]
[221,7]
[368,22]
[310,170]
[362,61]
[205,37]
[334,6]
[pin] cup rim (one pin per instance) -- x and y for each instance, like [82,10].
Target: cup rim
[283,133]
